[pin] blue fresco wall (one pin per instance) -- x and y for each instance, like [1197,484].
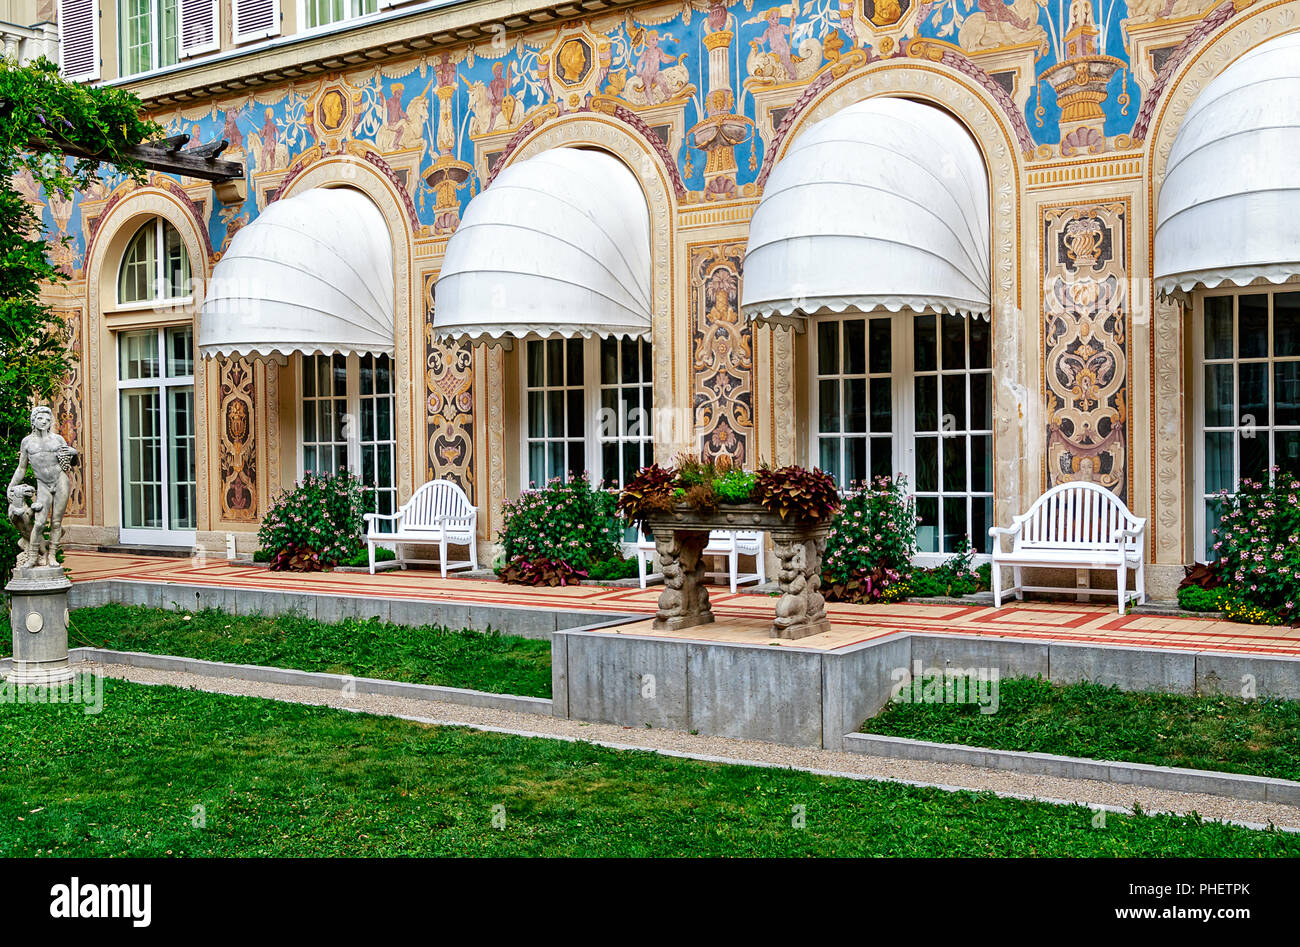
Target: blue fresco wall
[655,60]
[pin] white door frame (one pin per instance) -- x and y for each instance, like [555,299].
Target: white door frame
[146,536]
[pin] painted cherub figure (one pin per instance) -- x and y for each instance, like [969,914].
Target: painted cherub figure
[50,458]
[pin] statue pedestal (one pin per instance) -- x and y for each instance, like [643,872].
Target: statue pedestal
[38,615]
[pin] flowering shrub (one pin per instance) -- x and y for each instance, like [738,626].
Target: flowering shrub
[870,545]
[321,515]
[572,523]
[1257,550]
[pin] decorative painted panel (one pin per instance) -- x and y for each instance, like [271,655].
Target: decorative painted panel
[69,408]
[722,355]
[449,404]
[237,440]
[1085,344]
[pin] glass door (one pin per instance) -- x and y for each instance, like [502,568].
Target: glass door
[156,424]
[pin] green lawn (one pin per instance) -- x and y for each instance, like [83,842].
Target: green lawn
[283,779]
[502,664]
[1259,737]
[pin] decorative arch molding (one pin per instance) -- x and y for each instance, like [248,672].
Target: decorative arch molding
[129,207]
[981,115]
[119,221]
[361,155]
[362,174]
[1170,462]
[633,125]
[1239,36]
[160,183]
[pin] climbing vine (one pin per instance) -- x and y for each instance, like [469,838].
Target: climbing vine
[42,117]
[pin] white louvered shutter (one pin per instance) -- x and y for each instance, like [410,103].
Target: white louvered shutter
[79,39]
[256,19]
[198,26]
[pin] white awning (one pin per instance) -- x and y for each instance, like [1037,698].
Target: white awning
[1229,207]
[312,273]
[557,245]
[882,205]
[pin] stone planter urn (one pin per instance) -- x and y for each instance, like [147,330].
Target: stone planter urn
[680,538]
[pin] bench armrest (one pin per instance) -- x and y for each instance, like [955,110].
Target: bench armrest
[371,520]
[997,532]
[468,520]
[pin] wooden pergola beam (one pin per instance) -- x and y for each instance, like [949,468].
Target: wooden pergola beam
[165,155]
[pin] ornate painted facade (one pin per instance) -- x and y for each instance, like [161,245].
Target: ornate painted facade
[1073,105]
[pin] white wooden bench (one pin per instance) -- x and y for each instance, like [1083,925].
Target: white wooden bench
[1073,526]
[438,514]
[732,543]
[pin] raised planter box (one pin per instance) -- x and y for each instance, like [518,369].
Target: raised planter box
[680,538]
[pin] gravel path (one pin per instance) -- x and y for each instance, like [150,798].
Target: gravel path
[1110,796]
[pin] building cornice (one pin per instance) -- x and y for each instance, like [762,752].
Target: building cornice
[398,35]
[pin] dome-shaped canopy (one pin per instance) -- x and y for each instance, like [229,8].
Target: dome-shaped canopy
[558,244]
[884,204]
[313,273]
[1229,207]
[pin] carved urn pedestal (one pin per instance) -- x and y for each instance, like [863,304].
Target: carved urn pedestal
[38,616]
[680,538]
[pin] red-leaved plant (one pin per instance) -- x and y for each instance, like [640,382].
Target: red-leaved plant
[295,558]
[540,571]
[797,492]
[650,491]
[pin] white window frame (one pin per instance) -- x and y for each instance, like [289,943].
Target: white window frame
[593,437]
[213,44]
[353,410]
[155,39]
[160,283]
[240,35]
[354,11]
[1266,429]
[68,13]
[165,535]
[902,376]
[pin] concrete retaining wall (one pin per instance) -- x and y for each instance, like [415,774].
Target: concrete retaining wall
[261,674]
[526,622]
[1170,778]
[857,682]
[1132,669]
[805,697]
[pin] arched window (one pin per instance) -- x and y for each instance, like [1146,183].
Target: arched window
[155,266]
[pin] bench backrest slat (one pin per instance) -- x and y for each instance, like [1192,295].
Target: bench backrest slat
[1075,515]
[433,501]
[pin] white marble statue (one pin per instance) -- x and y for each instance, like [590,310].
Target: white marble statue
[32,509]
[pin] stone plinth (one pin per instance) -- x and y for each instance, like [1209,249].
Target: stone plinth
[680,538]
[38,616]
